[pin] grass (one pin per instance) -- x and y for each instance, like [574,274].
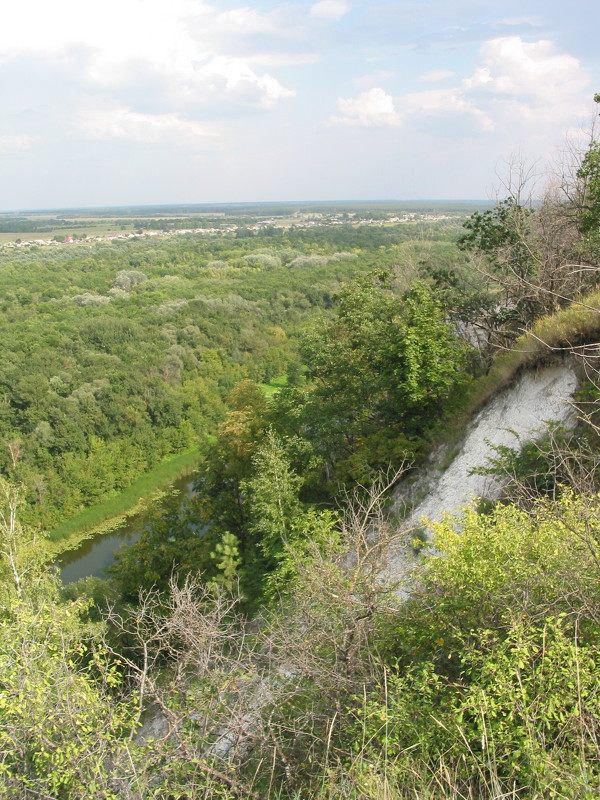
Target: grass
[112,512]
[549,337]
[555,334]
[274,385]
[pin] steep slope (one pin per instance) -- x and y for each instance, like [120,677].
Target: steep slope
[518,413]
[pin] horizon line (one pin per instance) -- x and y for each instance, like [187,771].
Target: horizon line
[243,203]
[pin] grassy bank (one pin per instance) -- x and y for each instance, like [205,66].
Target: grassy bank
[551,337]
[112,512]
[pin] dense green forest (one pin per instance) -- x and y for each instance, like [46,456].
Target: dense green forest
[252,644]
[119,354]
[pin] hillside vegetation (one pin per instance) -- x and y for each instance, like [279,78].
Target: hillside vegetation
[248,646]
[119,354]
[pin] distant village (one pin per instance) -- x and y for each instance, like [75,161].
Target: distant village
[299,220]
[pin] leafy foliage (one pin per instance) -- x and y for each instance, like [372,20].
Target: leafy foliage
[172,543]
[589,218]
[386,361]
[119,355]
[474,675]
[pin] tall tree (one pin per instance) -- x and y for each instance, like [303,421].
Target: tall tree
[387,362]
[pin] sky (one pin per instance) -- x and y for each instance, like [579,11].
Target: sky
[125,102]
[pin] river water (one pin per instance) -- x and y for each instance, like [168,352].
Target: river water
[94,555]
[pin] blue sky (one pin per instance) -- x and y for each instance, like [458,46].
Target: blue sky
[146,101]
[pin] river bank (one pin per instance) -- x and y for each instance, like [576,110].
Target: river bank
[95,554]
[92,536]
[113,513]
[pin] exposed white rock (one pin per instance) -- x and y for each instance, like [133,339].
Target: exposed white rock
[515,415]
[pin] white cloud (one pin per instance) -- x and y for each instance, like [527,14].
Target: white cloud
[519,89]
[245,20]
[329,9]
[118,29]
[522,88]
[15,144]
[533,22]
[530,83]
[121,123]
[183,45]
[435,75]
[376,76]
[439,102]
[235,76]
[283,59]
[515,67]
[373,108]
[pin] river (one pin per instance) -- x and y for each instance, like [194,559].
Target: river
[94,555]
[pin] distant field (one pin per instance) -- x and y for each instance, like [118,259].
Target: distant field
[78,228]
[265,209]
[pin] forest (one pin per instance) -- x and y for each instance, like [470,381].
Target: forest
[251,643]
